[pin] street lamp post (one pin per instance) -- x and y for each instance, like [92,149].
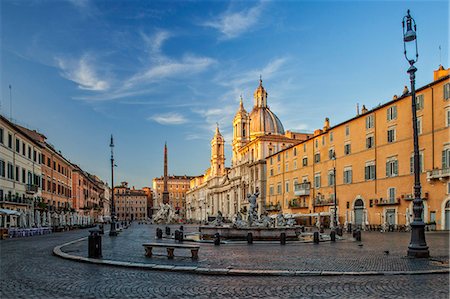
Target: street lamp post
[112,231]
[335,222]
[418,246]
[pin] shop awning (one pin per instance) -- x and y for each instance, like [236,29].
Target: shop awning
[9,212]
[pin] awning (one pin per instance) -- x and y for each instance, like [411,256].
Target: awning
[9,212]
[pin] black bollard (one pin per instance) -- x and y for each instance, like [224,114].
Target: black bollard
[283,238]
[358,235]
[354,233]
[94,244]
[339,231]
[181,228]
[316,237]
[216,239]
[333,236]
[250,238]
[159,233]
[349,227]
[167,230]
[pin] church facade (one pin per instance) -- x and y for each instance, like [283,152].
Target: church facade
[256,135]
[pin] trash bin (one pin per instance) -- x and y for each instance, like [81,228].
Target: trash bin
[94,244]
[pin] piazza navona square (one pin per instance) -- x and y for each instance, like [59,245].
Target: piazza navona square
[224,149]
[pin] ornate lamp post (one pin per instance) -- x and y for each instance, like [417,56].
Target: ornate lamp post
[112,231]
[334,189]
[418,246]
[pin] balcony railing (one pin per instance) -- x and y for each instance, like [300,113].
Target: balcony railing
[31,189]
[388,202]
[16,199]
[295,204]
[302,189]
[320,201]
[438,174]
[272,207]
[409,197]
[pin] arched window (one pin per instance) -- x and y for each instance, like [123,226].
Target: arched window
[359,203]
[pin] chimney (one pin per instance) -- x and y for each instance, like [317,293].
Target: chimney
[326,124]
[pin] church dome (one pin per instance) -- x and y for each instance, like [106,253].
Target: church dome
[262,120]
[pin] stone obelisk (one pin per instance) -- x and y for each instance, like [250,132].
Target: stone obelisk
[165,195]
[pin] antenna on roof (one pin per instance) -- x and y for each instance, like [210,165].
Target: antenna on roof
[440,55]
[357,108]
[10,103]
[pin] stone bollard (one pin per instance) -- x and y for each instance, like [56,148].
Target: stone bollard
[316,237]
[283,238]
[159,233]
[358,235]
[333,236]
[167,231]
[216,239]
[250,238]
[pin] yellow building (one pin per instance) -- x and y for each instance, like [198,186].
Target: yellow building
[177,186]
[373,163]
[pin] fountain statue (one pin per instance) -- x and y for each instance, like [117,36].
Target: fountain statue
[166,215]
[219,219]
[253,210]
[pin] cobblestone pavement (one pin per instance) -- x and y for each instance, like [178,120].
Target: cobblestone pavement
[344,256]
[29,270]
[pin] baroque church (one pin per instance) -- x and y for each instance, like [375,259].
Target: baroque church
[256,135]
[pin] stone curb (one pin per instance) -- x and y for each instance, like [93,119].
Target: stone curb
[222,271]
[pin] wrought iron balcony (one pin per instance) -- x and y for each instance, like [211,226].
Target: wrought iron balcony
[409,197]
[438,174]
[321,201]
[295,204]
[387,202]
[31,189]
[16,199]
[302,189]
[272,207]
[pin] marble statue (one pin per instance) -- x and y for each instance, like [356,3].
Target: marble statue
[219,219]
[165,215]
[238,222]
[253,210]
[281,221]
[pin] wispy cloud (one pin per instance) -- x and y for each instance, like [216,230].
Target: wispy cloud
[232,23]
[170,118]
[83,72]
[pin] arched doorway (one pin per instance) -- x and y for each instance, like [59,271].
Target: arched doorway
[359,212]
[447,215]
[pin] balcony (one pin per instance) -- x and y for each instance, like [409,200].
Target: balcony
[438,174]
[409,197]
[322,201]
[302,189]
[296,204]
[272,207]
[387,202]
[31,189]
[16,199]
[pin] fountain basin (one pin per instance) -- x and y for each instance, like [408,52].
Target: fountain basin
[259,233]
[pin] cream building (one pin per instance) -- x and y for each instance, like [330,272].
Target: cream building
[20,172]
[256,135]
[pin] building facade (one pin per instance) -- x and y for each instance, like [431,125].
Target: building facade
[256,135]
[177,186]
[368,161]
[130,204]
[149,192]
[20,172]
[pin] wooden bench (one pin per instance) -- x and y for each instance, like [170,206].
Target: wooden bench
[170,249]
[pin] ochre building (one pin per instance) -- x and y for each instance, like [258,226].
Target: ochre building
[130,204]
[372,158]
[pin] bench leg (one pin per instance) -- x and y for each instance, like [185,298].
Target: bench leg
[148,251]
[170,252]
[194,253]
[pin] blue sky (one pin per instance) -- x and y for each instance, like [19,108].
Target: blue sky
[150,72]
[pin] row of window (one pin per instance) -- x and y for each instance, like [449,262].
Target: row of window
[56,166]
[369,172]
[56,188]
[18,174]
[21,147]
